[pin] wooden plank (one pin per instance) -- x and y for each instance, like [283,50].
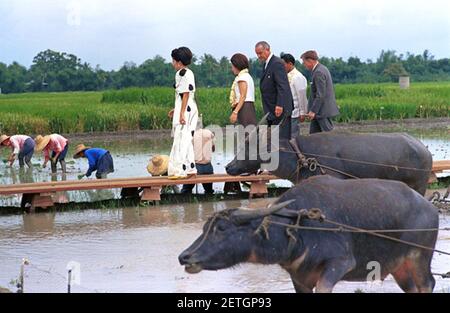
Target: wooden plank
[125,183]
[440,166]
[258,189]
[41,201]
[151,194]
[148,182]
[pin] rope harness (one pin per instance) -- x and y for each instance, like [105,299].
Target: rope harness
[312,163]
[316,214]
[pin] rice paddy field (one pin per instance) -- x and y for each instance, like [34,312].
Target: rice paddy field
[146,108]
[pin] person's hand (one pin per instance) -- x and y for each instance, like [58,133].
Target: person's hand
[182,121]
[233,117]
[11,161]
[278,111]
[302,118]
[44,165]
[170,114]
[53,160]
[311,115]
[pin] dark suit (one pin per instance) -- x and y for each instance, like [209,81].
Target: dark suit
[322,100]
[275,91]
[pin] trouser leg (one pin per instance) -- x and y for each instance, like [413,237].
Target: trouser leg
[63,166]
[314,127]
[295,127]
[325,124]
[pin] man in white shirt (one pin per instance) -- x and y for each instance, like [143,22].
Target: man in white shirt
[298,84]
[203,142]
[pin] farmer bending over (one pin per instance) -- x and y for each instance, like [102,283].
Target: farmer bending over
[21,146]
[100,160]
[58,145]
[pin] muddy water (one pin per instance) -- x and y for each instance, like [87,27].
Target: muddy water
[136,250]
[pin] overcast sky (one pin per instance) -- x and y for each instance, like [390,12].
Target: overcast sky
[110,32]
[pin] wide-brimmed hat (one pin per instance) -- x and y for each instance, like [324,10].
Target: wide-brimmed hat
[3,138]
[158,165]
[41,142]
[80,148]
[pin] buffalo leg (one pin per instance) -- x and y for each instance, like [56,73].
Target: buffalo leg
[404,278]
[421,272]
[300,287]
[333,271]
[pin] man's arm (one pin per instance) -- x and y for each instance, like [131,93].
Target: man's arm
[284,95]
[91,161]
[320,82]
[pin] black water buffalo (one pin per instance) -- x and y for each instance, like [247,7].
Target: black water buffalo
[394,156]
[318,258]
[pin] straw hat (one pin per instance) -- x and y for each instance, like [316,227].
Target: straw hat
[80,148]
[41,142]
[3,138]
[158,165]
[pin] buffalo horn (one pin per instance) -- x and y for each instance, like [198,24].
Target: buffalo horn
[245,215]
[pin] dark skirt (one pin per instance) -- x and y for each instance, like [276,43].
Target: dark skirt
[27,150]
[105,165]
[247,114]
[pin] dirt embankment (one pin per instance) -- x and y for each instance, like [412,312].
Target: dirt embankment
[369,126]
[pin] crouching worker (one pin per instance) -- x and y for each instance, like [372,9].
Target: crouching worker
[22,147]
[100,160]
[203,149]
[58,145]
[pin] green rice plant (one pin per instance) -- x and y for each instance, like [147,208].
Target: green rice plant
[147,108]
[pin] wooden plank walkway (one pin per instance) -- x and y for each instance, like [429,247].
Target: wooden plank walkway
[149,188]
[41,194]
[441,166]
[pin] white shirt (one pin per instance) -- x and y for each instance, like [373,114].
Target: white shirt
[250,97]
[268,60]
[315,67]
[298,85]
[203,146]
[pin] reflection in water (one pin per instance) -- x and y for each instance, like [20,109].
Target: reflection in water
[37,223]
[136,250]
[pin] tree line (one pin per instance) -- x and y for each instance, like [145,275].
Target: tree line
[60,71]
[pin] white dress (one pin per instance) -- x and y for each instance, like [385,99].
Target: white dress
[182,159]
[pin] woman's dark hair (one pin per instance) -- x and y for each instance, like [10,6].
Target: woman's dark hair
[288,58]
[239,61]
[183,55]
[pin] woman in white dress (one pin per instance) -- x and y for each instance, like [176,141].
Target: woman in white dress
[184,117]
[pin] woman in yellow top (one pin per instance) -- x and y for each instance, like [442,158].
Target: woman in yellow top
[184,117]
[242,95]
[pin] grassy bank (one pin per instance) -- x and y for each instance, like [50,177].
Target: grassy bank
[138,108]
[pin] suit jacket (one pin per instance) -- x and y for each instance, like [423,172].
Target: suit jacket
[322,100]
[275,90]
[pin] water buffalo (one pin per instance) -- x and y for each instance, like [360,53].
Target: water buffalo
[318,258]
[395,156]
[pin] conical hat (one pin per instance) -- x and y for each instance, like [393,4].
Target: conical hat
[158,165]
[41,142]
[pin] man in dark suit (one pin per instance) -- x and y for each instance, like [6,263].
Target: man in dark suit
[275,91]
[322,101]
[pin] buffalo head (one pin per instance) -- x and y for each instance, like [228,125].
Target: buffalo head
[228,238]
